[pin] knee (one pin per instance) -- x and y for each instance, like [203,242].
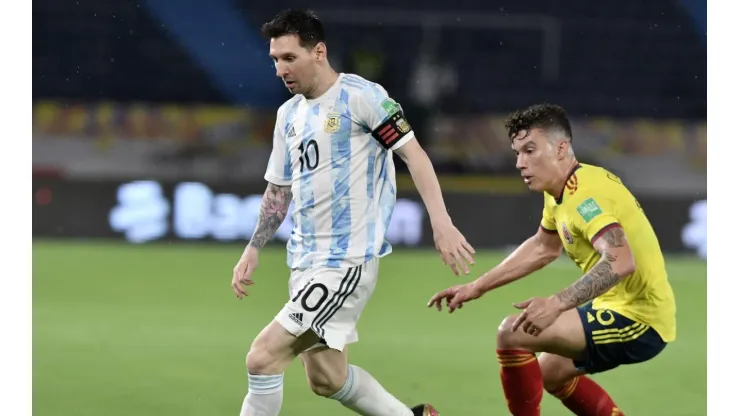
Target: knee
[506,338]
[552,383]
[325,384]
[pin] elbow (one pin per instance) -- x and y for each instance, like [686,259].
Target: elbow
[625,267]
[630,268]
[553,254]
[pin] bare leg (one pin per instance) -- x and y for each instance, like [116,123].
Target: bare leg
[330,375]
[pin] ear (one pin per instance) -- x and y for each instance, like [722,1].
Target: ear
[320,51]
[563,149]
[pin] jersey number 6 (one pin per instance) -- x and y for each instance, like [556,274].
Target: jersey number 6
[306,157]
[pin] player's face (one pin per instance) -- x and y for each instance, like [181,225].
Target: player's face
[294,64]
[537,158]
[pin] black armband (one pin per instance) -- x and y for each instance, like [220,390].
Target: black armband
[392,130]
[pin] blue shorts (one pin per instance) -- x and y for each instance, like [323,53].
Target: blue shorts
[613,339]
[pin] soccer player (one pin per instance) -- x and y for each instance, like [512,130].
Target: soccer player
[621,311]
[332,156]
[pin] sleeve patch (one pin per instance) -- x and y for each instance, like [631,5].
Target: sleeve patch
[390,106]
[392,130]
[589,209]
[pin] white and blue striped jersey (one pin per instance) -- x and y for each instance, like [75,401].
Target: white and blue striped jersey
[335,151]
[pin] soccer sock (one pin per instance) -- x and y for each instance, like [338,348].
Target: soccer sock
[363,394]
[586,398]
[265,395]
[521,379]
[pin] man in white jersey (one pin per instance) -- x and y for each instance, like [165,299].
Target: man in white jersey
[332,155]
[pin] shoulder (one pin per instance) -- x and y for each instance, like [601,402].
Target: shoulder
[362,90]
[595,180]
[360,84]
[288,106]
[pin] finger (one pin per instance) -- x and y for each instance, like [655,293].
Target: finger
[525,325]
[523,305]
[242,289]
[468,247]
[455,303]
[434,299]
[442,255]
[453,265]
[459,261]
[240,292]
[437,300]
[519,320]
[464,252]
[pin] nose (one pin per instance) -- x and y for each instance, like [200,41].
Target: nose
[281,70]
[520,162]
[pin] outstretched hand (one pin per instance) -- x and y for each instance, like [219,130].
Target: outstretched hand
[455,297]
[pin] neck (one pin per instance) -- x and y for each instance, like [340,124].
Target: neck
[564,171]
[324,81]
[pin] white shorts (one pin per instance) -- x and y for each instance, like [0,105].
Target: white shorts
[329,302]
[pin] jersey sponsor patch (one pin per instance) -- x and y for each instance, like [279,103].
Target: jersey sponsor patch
[390,106]
[392,130]
[589,209]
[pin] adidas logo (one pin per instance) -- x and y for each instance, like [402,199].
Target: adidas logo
[297,318]
[291,133]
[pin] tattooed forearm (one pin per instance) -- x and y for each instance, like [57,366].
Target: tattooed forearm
[273,210]
[604,275]
[594,283]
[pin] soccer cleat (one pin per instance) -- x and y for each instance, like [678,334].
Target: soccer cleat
[424,410]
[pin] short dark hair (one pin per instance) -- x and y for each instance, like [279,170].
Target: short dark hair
[542,116]
[302,23]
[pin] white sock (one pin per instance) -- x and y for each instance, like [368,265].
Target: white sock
[363,394]
[265,396]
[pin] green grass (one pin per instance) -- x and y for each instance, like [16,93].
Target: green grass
[156,330]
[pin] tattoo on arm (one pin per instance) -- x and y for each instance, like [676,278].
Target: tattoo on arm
[273,210]
[600,278]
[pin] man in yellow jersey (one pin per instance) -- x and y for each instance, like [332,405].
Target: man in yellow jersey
[621,311]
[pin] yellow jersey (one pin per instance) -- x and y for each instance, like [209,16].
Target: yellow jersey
[592,201]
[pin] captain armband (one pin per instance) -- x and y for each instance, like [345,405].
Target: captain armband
[392,130]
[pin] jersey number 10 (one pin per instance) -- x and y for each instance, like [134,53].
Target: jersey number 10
[307,160]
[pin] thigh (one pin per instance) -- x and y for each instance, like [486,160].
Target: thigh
[328,302]
[613,340]
[564,337]
[274,348]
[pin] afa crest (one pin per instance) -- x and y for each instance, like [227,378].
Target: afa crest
[403,125]
[567,235]
[331,125]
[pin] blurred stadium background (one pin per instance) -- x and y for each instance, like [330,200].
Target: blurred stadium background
[152,123]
